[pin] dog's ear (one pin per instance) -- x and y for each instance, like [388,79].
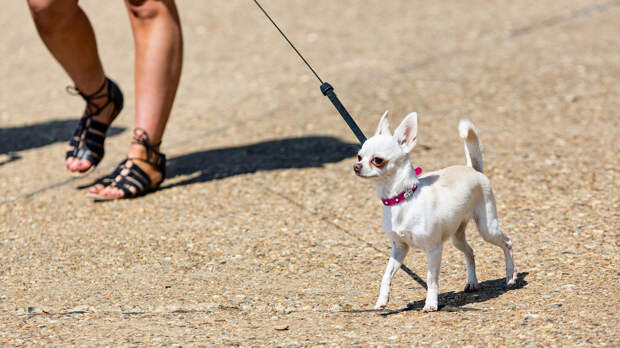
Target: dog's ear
[384,125]
[407,132]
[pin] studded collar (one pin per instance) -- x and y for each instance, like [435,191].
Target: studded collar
[403,196]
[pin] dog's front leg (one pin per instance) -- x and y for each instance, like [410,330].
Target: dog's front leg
[433,258]
[397,255]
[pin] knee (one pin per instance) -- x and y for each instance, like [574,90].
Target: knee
[147,9]
[48,14]
[41,7]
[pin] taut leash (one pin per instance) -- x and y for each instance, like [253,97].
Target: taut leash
[326,88]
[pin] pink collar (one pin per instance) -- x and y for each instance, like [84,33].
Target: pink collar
[403,196]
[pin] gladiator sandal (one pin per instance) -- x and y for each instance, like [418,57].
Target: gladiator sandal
[129,177]
[89,136]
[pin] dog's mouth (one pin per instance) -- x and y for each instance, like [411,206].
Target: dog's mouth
[366,176]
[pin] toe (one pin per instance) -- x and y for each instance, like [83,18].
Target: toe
[119,193]
[83,165]
[107,192]
[429,309]
[114,192]
[96,188]
[69,163]
[74,166]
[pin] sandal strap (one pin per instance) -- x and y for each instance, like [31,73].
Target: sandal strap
[127,176]
[141,137]
[98,126]
[137,173]
[108,179]
[131,177]
[89,136]
[91,143]
[90,98]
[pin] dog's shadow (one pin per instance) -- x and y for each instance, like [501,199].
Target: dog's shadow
[456,302]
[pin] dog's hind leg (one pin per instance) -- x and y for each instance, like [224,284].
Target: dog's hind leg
[397,255]
[485,215]
[458,240]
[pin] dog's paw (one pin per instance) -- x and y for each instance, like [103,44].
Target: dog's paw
[511,279]
[429,308]
[471,287]
[380,305]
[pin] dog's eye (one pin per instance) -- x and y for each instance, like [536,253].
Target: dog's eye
[359,158]
[377,161]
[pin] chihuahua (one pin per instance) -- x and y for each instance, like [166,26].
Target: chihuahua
[425,211]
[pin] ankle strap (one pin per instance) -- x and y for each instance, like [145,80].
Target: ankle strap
[89,98]
[141,137]
[75,91]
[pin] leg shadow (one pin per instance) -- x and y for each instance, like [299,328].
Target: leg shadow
[15,139]
[455,302]
[303,152]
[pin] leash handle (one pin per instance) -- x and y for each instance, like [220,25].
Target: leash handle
[328,91]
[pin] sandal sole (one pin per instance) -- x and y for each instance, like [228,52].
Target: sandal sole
[97,197]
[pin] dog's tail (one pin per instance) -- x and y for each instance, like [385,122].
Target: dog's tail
[473,147]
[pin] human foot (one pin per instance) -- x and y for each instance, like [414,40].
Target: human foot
[85,149]
[141,172]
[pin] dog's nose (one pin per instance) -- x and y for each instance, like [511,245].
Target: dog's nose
[357,167]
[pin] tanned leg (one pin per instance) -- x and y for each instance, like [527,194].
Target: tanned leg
[69,36]
[158,60]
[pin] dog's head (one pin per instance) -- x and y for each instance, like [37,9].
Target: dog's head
[381,154]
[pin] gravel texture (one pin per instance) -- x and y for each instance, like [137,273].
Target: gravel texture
[262,236]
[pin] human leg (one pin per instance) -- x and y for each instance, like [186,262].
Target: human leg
[68,35]
[158,60]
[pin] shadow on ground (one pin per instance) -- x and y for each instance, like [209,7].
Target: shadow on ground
[303,152]
[456,302]
[17,139]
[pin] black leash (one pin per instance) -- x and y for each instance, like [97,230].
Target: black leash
[328,91]
[326,88]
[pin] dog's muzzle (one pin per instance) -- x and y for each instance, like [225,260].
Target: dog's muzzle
[357,168]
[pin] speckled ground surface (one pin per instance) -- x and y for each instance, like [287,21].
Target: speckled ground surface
[262,236]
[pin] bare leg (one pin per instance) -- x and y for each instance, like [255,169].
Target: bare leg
[397,255]
[159,56]
[458,239]
[68,35]
[433,258]
[158,60]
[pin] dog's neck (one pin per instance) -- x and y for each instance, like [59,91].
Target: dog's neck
[403,178]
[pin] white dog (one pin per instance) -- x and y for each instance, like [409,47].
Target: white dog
[424,212]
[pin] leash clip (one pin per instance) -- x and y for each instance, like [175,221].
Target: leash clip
[326,88]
